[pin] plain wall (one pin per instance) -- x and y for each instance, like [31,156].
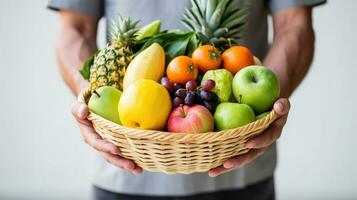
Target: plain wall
[42,155]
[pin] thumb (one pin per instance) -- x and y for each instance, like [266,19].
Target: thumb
[79,110]
[282,106]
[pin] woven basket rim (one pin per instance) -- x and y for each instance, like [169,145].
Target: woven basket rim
[164,136]
[93,115]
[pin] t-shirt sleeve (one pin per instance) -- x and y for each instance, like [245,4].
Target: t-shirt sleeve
[277,5]
[88,7]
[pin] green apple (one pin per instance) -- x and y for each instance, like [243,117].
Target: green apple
[223,79]
[233,115]
[256,86]
[104,102]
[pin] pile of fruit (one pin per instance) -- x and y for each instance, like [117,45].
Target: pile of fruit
[192,81]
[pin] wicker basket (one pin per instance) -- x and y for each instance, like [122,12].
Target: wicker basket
[160,151]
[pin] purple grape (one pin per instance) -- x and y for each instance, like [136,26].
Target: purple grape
[199,99]
[209,106]
[164,80]
[206,96]
[177,86]
[169,87]
[190,98]
[191,85]
[215,98]
[177,102]
[208,85]
[181,93]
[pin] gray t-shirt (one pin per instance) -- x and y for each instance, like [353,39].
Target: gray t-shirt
[170,12]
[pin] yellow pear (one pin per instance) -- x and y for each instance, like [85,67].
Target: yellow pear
[145,104]
[148,64]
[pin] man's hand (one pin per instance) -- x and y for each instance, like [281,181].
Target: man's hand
[289,57]
[258,144]
[108,150]
[77,42]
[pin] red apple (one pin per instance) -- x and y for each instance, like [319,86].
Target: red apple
[190,119]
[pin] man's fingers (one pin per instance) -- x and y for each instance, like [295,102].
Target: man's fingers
[80,112]
[99,144]
[281,107]
[118,161]
[137,170]
[266,138]
[94,140]
[122,163]
[108,150]
[243,159]
[236,162]
[218,171]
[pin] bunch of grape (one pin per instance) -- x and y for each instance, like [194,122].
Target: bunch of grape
[190,93]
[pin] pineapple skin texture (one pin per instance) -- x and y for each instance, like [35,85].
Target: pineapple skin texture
[109,67]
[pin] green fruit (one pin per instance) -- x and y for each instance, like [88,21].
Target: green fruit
[149,30]
[223,79]
[256,86]
[233,115]
[261,116]
[104,102]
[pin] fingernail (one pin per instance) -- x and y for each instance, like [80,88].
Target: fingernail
[130,167]
[280,107]
[212,175]
[228,165]
[115,151]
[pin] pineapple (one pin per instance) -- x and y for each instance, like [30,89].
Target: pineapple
[218,22]
[110,63]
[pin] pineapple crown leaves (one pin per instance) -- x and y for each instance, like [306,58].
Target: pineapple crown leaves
[219,22]
[123,32]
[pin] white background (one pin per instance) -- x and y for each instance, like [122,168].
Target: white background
[42,155]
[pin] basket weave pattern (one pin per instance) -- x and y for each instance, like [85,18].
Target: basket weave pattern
[160,151]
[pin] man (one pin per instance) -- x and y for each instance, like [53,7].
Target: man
[249,176]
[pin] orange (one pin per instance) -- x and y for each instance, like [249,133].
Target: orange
[236,58]
[206,57]
[181,69]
